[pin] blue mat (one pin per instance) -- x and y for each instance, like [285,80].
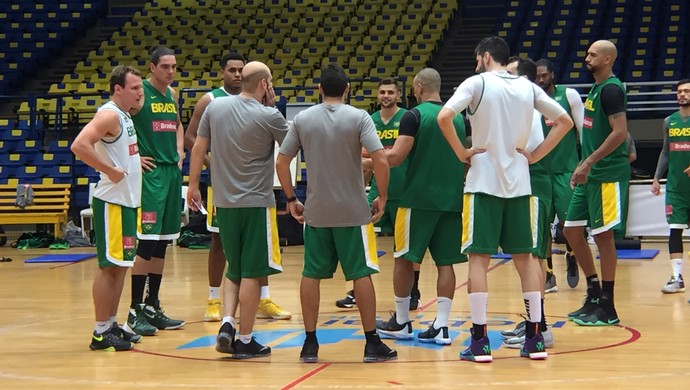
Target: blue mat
[381,253]
[636,254]
[501,255]
[66,258]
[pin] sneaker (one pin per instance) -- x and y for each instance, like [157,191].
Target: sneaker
[572,274]
[518,331]
[415,296]
[674,285]
[550,285]
[125,335]
[598,317]
[534,348]
[213,311]
[439,336]
[392,329]
[588,306]
[309,352]
[137,323]
[518,342]
[108,341]
[225,341]
[156,317]
[378,353]
[348,302]
[479,350]
[269,309]
[251,350]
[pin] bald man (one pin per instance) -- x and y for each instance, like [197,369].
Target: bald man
[242,131]
[600,186]
[430,210]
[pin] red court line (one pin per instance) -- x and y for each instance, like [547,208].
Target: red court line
[459,286]
[306,376]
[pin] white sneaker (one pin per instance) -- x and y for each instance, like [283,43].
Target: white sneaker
[674,285]
[518,342]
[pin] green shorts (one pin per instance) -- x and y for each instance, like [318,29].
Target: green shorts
[353,246]
[542,208]
[116,233]
[601,206]
[250,241]
[491,222]
[561,194]
[161,204]
[211,217]
[677,212]
[440,231]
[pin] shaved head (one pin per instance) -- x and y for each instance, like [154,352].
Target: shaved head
[430,79]
[606,48]
[252,74]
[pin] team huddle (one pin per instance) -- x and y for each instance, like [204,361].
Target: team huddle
[432,188]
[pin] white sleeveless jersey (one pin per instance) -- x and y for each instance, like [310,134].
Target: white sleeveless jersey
[121,151]
[500,108]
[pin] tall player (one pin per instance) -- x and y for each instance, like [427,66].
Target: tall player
[160,137]
[387,122]
[231,65]
[675,155]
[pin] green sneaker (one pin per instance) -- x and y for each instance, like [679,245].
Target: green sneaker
[156,317]
[137,323]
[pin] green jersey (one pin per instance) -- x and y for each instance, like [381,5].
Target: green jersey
[218,92]
[563,158]
[388,133]
[595,129]
[678,152]
[156,126]
[435,176]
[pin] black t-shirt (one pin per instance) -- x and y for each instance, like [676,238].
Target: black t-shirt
[409,124]
[612,99]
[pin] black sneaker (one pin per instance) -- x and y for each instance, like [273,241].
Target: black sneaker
[225,341]
[600,316]
[414,299]
[123,334]
[348,302]
[438,336]
[572,271]
[378,353]
[534,348]
[588,307]
[108,341]
[251,350]
[392,329]
[156,317]
[310,352]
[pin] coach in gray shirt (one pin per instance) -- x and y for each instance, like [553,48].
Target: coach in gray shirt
[242,133]
[338,222]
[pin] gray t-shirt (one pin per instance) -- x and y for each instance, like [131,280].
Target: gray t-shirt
[332,137]
[242,133]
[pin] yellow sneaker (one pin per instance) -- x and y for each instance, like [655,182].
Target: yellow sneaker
[213,311]
[269,309]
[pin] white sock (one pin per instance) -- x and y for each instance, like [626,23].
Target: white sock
[478,303]
[677,267]
[102,327]
[402,310]
[213,292]
[245,338]
[265,292]
[229,319]
[132,311]
[444,305]
[112,320]
[533,305]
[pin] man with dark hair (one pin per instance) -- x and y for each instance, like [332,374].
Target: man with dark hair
[600,181]
[338,221]
[675,155]
[231,65]
[242,133]
[108,143]
[497,203]
[387,122]
[560,164]
[160,136]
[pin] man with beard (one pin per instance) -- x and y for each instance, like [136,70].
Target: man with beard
[675,155]
[600,186]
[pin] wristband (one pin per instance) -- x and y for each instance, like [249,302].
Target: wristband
[291,199]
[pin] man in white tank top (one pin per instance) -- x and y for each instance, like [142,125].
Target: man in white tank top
[108,143]
[497,190]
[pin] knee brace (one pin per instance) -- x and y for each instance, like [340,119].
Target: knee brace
[675,241]
[146,249]
[161,247]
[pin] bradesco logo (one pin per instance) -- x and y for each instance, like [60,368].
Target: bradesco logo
[164,125]
[679,146]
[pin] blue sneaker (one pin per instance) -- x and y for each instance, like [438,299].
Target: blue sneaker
[534,348]
[479,351]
